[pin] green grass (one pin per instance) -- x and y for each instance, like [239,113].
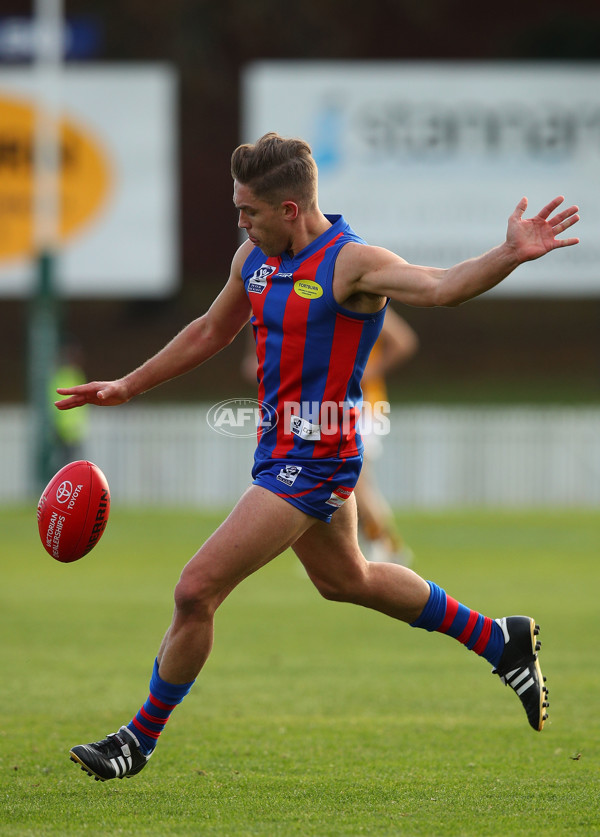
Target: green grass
[311,718]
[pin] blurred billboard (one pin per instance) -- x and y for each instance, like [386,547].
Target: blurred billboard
[429,159]
[118,225]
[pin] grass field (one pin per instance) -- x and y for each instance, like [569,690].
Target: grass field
[311,718]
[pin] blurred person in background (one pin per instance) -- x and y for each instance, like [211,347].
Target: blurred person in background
[381,541]
[70,427]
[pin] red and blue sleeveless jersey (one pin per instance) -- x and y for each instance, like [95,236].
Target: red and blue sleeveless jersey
[311,351]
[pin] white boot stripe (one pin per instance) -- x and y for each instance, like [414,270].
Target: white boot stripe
[115,765]
[514,681]
[525,686]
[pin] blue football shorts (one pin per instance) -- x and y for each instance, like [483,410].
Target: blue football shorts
[316,486]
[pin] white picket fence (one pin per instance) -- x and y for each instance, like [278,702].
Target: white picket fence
[434,457]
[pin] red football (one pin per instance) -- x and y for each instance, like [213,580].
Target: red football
[73,511]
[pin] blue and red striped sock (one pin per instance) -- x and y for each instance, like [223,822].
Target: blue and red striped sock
[477,632]
[150,721]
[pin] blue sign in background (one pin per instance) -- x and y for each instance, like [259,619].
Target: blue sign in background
[83,38]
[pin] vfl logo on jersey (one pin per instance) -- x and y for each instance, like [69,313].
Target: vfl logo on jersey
[289,474]
[308,289]
[258,281]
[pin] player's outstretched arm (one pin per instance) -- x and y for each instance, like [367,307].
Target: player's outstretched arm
[196,343]
[380,272]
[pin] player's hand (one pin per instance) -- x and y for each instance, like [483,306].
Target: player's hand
[531,238]
[100,393]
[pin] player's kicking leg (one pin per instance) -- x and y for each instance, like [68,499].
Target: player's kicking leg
[334,563]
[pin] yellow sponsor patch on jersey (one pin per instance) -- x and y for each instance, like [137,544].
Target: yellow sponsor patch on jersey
[308,289]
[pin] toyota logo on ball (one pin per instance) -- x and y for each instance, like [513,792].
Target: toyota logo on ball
[64,491]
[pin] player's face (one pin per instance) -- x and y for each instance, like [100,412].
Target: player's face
[265,224]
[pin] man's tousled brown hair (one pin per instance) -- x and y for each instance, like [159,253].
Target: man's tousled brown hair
[277,169]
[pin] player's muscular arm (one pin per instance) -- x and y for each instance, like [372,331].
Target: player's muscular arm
[372,273]
[196,343]
[376,271]
[385,274]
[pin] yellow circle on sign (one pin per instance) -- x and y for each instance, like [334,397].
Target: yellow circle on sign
[83,185]
[308,289]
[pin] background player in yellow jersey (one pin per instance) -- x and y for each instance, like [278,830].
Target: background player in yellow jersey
[380,538]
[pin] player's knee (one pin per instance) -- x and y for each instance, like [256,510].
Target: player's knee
[345,589]
[195,597]
[334,594]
